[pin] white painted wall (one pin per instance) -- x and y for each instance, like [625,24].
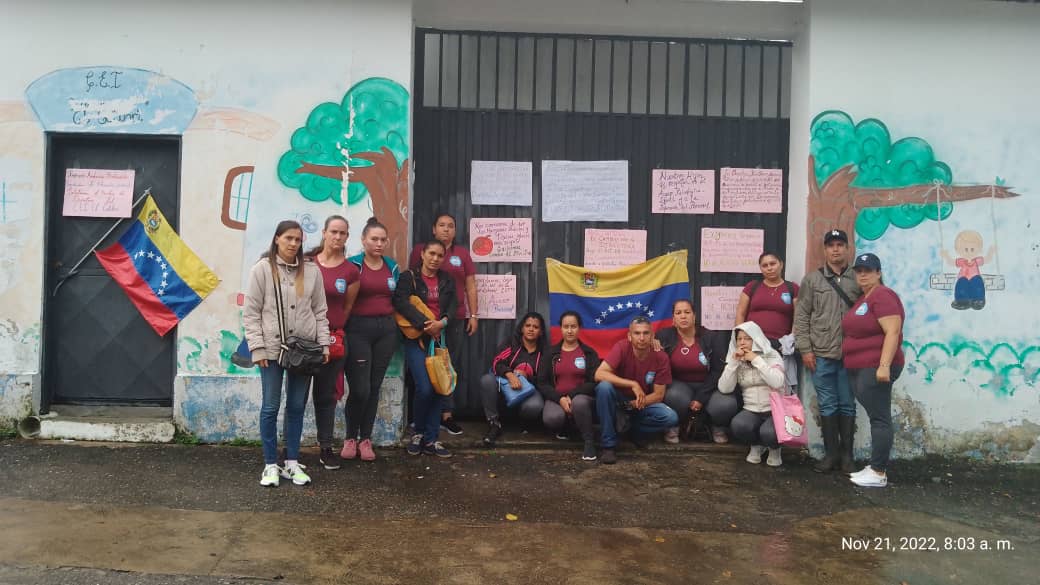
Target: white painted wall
[961,78]
[678,18]
[257,70]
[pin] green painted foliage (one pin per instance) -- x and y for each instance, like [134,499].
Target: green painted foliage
[380,120]
[837,141]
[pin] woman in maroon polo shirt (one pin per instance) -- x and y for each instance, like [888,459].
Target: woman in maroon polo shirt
[697,356]
[342,281]
[459,265]
[770,301]
[873,337]
[567,382]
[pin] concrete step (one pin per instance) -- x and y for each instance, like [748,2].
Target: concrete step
[109,423]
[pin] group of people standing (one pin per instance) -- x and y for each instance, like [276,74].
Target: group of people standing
[842,321]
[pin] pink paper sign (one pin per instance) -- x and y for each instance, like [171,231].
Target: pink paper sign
[731,250]
[496,296]
[506,239]
[751,190]
[719,306]
[98,193]
[614,248]
[683,191]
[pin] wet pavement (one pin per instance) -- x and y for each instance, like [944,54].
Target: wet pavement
[102,513]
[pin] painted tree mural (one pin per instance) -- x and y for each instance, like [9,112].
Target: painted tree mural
[355,148]
[862,182]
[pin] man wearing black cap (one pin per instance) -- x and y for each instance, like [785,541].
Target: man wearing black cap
[826,294]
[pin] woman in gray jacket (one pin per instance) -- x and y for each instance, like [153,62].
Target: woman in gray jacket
[304,307]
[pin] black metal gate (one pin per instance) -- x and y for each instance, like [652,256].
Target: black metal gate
[657,103]
[97,347]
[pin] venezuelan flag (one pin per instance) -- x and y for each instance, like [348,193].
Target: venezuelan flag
[162,276]
[608,300]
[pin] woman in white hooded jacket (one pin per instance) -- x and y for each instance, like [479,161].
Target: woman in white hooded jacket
[758,369]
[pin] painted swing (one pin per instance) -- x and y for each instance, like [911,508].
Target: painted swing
[969,283]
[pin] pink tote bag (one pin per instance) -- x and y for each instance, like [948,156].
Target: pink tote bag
[789,420]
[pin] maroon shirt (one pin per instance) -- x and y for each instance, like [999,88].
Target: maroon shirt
[458,264]
[864,336]
[374,295]
[691,365]
[654,369]
[433,293]
[570,370]
[772,308]
[337,280]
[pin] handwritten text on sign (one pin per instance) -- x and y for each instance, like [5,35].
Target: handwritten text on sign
[496,296]
[731,250]
[679,191]
[614,248]
[98,193]
[500,183]
[584,190]
[719,306]
[504,239]
[751,190]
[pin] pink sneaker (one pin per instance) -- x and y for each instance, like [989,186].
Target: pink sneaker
[349,449]
[367,454]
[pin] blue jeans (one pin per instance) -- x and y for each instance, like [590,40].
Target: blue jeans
[656,418]
[833,393]
[296,390]
[426,404]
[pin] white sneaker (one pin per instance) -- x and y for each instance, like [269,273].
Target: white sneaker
[269,478]
[754,456]
[672,436]
[863,471]
[296,473]
[871,479]
[774,459]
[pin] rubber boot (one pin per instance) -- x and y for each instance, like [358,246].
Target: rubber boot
[847,432]
[831,445]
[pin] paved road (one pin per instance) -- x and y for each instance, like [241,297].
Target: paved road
[89,513]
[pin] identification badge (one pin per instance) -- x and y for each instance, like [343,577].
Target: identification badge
[650,378]
[455,261]
[579,362]
[703,359]
[861,310]
[391,284]
[341,285]
[786,298]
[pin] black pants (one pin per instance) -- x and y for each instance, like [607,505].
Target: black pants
[323,388]
[371,343]
[876,398]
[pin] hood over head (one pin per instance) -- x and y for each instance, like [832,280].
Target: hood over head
[759,342]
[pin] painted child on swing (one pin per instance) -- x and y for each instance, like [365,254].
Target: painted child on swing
[970,289]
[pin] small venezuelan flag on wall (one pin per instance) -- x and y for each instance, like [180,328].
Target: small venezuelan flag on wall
[160,274]
[608,299]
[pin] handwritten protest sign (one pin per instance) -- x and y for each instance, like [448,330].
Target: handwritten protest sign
[98,193]
[496,296]
[682,191]
[500,183]
[731,250]
[751,190]
[506,239]
[584,190]
[719,306]
[614,248]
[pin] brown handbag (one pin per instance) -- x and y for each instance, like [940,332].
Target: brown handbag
[406,327]
[438,366]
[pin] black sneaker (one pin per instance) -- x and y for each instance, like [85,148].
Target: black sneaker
[589,453]
[329,458]
[607,457]
[415,445]
[493,433]
[451,426]
[436,449]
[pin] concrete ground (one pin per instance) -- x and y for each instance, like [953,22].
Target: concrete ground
[78,513]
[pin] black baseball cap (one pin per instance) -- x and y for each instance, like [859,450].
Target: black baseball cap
[867,260]
[835,235]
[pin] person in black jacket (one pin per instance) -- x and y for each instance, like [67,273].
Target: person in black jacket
[567,381]
[697,357]
[513,368]
[437,290]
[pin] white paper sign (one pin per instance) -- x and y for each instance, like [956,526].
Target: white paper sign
[605,249]
[500,183]
[584,190]
[496,296]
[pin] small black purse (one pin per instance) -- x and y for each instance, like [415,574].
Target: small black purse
[299,356]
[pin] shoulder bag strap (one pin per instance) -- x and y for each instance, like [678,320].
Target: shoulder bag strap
[841,293]
[277,282]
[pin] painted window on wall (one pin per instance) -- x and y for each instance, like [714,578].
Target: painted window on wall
[238,187]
